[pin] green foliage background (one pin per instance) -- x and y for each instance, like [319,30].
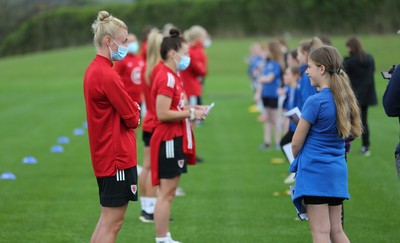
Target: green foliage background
[70,26]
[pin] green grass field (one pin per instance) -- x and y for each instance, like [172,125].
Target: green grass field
[237,195]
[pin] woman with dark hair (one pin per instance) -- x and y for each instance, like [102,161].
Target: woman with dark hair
[172,145]
[360,67]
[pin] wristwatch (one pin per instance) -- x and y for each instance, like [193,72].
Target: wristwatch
[192,116]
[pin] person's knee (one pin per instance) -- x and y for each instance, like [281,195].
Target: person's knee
[146,165]
[167,196]
[118,224]
[115,225]
[335,230]
[320,229]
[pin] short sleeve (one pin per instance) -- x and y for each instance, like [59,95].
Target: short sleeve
[166,84]
[272,67]
[311,109]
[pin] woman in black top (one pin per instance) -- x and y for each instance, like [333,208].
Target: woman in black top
[360,67]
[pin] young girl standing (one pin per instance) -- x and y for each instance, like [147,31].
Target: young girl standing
[318,145]
[267,91]
[290,78]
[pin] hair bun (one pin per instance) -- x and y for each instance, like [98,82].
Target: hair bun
[102,15]
[174,32]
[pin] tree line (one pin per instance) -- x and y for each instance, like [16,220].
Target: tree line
[70,25]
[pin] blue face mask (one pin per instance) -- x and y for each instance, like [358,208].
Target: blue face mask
[133,47]
[183,63]
[120,54]
[207,43]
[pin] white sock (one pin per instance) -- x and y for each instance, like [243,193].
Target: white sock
[162,240]
[151,203]
[143,203]
[169,236]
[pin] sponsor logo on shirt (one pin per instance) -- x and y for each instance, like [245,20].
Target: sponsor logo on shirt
[135,75]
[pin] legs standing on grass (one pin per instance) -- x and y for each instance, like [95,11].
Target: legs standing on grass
[163,206]
[147,191]
[325,223]
[365,134]
[109,224]
[270,123]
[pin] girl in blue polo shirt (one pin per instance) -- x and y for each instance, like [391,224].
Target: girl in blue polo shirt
[267,91]
[304,86]
[318,145]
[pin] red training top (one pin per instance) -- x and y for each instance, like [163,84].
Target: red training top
[168,83]
[111,116]
[130,69]
[197,69]
[148,121]
[143,50]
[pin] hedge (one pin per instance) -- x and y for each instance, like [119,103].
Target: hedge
[68,26]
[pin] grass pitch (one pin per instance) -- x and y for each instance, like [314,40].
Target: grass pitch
[237,195]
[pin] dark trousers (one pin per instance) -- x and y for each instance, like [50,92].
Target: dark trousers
[285,140]
[365,133]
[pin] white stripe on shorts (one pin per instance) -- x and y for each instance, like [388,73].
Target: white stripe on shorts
[120,175]
[169,149]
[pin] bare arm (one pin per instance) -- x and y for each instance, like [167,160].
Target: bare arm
[165,114]
[266,78]
[300,136]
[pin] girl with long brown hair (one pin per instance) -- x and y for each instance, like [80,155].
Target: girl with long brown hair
[318,145]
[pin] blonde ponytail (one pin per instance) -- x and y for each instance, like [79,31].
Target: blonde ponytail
[154,40]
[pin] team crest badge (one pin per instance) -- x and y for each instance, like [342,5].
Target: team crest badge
[181,163]
[134,189]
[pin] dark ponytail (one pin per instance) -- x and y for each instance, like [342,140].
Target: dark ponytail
[173,41]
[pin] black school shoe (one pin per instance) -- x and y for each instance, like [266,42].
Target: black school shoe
[146,217]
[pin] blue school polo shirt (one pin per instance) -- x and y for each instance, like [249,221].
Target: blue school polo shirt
[304,87]
[320,165]
[270,90]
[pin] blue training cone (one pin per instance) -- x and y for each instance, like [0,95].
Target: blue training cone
[79,131]
[29,160]
[7,176]
[57,149]
[63,140]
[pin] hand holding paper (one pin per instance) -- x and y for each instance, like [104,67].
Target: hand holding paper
[210,107]
[293,114]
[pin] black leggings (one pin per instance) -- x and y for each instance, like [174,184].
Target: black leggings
[365,133]
[286,140]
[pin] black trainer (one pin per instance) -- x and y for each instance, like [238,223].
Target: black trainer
[146,217]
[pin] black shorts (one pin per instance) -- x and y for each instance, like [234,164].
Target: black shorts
[116,191]
[171,160]
[146,136]
[331,201]
[270,102]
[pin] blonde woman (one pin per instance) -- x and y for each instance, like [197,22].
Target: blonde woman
[318,145]
[112,115]
[148,195]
